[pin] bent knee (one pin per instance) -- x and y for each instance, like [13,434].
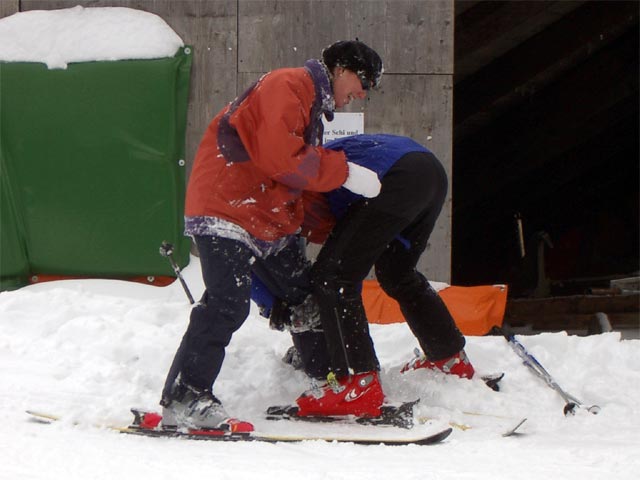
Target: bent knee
[400,284]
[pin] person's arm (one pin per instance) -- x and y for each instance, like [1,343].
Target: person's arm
[271,123]
[318,219]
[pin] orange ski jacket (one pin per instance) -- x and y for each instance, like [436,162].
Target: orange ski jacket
[262,151]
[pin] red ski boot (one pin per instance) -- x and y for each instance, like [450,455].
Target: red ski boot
[458,364]
[360,395]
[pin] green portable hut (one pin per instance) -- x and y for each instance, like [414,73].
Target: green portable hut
[93,106]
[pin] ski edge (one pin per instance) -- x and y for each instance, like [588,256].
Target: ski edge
[42,417]
[429,439]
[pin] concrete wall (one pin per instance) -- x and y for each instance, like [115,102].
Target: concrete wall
[8,7]
[237,40]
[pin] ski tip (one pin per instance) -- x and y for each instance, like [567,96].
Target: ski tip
[436,437]
[595,409]
[513,431]
[239,426]
[41,416]
[493,380]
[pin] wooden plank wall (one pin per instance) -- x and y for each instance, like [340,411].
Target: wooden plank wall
[235,41]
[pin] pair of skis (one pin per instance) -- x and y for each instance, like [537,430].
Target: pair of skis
[150,424]
[400,416]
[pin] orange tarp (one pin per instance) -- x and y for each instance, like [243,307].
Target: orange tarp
[476,310]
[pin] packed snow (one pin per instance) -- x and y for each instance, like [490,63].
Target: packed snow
[89,350]
[59,37]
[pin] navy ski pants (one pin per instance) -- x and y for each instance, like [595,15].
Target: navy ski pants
[226,269]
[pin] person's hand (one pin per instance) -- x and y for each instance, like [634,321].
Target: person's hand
[362,181]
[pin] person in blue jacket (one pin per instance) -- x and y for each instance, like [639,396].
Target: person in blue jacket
[389,232]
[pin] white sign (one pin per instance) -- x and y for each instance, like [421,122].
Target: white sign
[343,125]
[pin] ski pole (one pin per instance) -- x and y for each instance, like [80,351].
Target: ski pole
[536,367]
[166,250]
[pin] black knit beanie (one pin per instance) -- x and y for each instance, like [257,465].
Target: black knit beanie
[357,57]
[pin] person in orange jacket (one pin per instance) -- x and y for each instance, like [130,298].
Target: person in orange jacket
[244,205]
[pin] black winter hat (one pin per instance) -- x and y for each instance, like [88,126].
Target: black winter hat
[357,57]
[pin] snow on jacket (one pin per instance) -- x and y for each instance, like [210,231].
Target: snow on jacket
[377,152]
[261,152]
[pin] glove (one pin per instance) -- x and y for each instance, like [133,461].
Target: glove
[306,317]
[362,181]
[280,316]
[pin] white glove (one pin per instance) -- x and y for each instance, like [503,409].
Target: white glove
[362,181]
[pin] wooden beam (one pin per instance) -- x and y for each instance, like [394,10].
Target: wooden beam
[461,6]
[490,28]
[574,312]
[559,118]
[509,80]
[575,304]
[573,322]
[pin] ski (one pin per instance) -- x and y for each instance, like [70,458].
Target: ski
[391,416]
[465,426]
[514,430]
[493,380]
[538,370]
[149,424]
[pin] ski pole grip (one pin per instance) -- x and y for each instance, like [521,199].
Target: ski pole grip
[166,249]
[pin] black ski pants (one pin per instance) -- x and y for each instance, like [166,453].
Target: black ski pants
[389,232]
[226,269]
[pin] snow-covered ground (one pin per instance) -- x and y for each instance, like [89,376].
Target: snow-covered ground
[89,350]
